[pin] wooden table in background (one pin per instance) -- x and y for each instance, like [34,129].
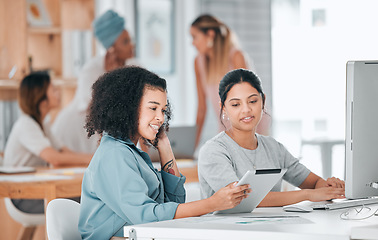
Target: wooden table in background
[64,188]
[48,190]
[189,169]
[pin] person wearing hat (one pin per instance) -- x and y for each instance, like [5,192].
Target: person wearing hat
[68,126]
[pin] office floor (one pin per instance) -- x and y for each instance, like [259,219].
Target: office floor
[9,228]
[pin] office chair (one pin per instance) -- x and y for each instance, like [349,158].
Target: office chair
[62,218]
[29,221]
[193,192]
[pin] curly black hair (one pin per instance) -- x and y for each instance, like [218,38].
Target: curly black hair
[116,97]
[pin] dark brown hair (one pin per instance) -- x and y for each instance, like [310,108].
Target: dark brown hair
[235,77]
[32,91]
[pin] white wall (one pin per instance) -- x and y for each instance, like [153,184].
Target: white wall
[309,62]
[182,84]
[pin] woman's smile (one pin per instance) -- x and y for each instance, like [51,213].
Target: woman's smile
[155,127]
[247,119]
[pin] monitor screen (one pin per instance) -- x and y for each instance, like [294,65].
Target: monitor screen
[361,135]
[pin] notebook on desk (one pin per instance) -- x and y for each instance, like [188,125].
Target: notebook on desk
[182,139]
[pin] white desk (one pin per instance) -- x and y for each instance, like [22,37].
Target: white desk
[320,224]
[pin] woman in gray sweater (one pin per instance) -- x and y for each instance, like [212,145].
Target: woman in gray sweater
[230,154]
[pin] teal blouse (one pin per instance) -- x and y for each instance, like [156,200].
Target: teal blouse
[121,187]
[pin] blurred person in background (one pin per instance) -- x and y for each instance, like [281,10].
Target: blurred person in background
[30,142]
[109,30]
[218,53]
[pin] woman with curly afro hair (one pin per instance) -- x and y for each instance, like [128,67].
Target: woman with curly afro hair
[121,186]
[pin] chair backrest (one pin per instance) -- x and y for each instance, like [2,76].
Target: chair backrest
[26,219]
[193,192]
[62,218]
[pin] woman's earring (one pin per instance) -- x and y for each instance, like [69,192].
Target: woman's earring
[210,43]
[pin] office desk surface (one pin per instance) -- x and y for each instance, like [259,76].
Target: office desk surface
[319,224]
[45,184]
[49,184]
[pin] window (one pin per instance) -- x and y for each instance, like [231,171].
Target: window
[311,42]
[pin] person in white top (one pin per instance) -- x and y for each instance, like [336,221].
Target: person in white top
[69,124]
[218,53]
[30,142]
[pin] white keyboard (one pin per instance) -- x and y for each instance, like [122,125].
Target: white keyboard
[344,203]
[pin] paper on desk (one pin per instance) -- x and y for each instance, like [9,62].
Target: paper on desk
[66,171]
[20,169]
[32,178]
[249,220]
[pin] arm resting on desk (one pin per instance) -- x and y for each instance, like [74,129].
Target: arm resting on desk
[64,157]
[314,181]
[314,188]
[226,198]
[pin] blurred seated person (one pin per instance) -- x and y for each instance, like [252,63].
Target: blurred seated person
[30,142]
[69,124]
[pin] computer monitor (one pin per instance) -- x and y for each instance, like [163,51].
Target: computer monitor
[182,139]
[361,136]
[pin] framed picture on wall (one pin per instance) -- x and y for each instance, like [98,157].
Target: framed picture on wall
[155,44]
[37,14]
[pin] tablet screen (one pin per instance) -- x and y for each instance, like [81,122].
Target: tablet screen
[261,182]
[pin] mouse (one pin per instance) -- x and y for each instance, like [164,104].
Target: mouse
[297,208]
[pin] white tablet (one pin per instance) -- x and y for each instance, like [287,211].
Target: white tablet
[261,182]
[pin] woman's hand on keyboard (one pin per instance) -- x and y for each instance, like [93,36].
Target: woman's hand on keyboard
[335,182]
[325,193]
[330,182]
